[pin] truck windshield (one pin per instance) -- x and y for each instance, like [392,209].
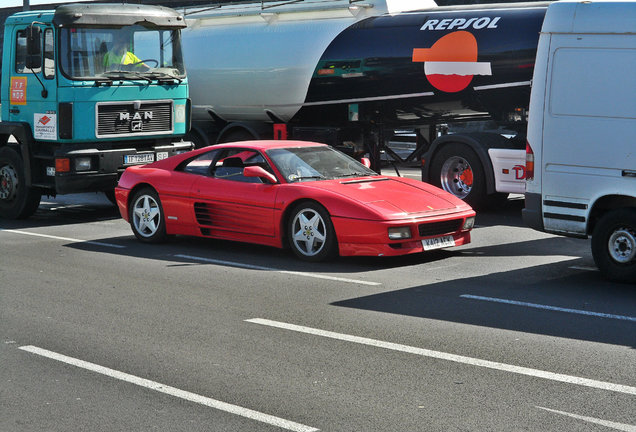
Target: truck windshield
[131,52]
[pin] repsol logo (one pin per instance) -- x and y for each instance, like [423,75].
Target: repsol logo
[477,23]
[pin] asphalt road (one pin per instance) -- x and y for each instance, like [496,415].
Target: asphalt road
[515,332]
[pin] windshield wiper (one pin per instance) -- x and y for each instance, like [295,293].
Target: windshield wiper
[353,174]
[125,74]
[164,76]
[316,177]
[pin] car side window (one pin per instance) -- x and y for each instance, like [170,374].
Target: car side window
[231,164]
[201,164]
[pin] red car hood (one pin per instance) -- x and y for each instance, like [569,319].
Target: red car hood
[394,196]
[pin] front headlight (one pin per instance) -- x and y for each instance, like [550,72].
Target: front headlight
[82,164]
[469,223]
[400,233]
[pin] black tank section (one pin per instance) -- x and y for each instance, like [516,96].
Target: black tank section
[431,65]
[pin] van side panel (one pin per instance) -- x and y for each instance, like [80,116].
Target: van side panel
[590,111]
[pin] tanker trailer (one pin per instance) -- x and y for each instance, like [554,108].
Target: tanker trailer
[348,74]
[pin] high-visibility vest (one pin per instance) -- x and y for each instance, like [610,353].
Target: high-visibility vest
[127,58]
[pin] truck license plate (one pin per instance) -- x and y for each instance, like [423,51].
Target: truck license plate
[438,242]
[139,158]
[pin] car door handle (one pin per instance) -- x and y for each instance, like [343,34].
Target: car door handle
[629,173]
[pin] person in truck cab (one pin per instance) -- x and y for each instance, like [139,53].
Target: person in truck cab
[120,55]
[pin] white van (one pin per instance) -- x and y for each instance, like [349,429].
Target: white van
[581,151]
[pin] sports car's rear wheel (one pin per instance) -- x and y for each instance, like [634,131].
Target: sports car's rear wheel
[146,216]
[310,232]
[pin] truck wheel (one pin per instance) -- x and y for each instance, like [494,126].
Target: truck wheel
[236,136]
[146,216]
[457,169]
[614,245]
[17,201]
[310,232]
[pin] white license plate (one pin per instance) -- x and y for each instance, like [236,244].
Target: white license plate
[139,158]
[438,242]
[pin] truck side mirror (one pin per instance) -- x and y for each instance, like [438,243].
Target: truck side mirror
[34,47]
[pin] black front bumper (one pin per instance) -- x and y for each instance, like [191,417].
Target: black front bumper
[107,165]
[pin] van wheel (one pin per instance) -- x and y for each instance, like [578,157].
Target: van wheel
[17,200]
[614,245]
[457,169]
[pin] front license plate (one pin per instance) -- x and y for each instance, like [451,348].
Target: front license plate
[438,242]
[139,158]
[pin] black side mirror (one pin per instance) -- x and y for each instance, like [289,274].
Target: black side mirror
[34,47]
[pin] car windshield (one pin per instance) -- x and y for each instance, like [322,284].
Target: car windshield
[315,163]
[132,52]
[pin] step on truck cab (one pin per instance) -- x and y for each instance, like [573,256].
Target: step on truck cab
[87,90]
[581,159]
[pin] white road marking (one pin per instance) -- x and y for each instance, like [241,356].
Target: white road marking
[553,308]
[619,388]
[272,269]
[68,239]
[172,391]
[618,426]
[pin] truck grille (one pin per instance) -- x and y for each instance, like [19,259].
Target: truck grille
[131,119]
[439,228]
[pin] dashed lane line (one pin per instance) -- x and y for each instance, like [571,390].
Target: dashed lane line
[172,391]
[612,425]
[272,269]
[520,370]
[68,239]
[552,308]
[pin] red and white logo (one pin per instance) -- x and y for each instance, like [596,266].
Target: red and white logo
[451,62]
[44,120]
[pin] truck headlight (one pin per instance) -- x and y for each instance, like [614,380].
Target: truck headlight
[469,223]
[82,164]
[400,233]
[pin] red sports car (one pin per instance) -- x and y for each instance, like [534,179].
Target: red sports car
[309,196]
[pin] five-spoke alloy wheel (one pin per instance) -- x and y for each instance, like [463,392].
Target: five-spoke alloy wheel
[146,216]
[310,232]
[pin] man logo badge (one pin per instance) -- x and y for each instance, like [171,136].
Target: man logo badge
[135,126]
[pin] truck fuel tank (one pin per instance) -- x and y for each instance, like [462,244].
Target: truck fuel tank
[444,62]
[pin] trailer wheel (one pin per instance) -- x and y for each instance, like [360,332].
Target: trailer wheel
[17,200]
[310,232]
[457,169]
[146,216]
[614,245]
[236,135]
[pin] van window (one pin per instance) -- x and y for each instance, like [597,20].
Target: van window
[593,82]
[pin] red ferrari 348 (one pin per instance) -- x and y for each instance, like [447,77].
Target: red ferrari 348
[311,197]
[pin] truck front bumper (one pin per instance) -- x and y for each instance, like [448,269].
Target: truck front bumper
[90,170]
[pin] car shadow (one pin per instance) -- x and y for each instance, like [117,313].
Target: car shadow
[477,301]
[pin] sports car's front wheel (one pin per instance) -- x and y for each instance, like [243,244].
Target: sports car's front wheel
[146,216]
[310,232]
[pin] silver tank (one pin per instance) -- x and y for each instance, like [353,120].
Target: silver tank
[243,61]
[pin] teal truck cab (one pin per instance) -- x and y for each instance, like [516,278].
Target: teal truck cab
[87,90]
